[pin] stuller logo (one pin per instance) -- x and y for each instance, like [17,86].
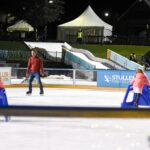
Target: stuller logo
[117,78]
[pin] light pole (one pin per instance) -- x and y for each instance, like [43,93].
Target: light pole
[106,14]
[50,1]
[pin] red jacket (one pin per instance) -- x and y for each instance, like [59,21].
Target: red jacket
[35,64]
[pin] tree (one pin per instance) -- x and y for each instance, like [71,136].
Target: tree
[36,12]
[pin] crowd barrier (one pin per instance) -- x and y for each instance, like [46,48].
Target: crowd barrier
[116,78]
[94,77]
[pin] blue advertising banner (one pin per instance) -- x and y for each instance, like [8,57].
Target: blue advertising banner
[116,78]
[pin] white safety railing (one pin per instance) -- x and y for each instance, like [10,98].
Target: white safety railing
[59,76]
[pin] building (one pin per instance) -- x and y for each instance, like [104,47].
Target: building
[133,26]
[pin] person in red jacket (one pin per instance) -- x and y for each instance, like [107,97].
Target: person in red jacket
[35,69]
[138,82]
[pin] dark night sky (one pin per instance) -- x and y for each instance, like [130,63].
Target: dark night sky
[73,8]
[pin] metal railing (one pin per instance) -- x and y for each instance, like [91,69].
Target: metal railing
[119,40]
[59,76]
[24,55]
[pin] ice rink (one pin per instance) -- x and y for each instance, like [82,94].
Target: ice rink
[51,133]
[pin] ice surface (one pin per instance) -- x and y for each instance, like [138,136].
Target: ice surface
[65,97]
[50,133]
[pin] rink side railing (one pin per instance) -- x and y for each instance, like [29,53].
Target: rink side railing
[59,76]
[65,111]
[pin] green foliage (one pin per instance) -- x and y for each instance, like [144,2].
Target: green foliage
[13,45]
[35,12]
[42,12]
[14,51]
[125,50]
[96,49]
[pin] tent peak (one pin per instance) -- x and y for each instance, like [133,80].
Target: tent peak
[87,19]
[89,7]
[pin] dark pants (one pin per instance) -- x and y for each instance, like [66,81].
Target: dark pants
[37,76]
[79,40]
[137,97]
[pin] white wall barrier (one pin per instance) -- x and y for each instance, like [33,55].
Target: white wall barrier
[123,61]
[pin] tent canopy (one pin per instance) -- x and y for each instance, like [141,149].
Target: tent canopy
[21,26]
[87,19]
[94,28]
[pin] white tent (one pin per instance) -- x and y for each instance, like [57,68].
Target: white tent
[21,26]
[92,26]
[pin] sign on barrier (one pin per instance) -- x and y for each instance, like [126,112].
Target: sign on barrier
[115,78]
[5,75]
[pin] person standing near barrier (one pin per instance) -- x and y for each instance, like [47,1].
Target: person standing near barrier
[35,69]
[79,36]
[3,98]
[138,82]
[133,57]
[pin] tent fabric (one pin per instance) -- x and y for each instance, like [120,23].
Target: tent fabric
[87,19]
[93,27]
[20,26]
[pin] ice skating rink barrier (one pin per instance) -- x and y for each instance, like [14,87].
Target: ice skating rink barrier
[55,111]
[85,112]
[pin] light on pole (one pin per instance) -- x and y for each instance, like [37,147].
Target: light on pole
[50,1]
[106,14]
